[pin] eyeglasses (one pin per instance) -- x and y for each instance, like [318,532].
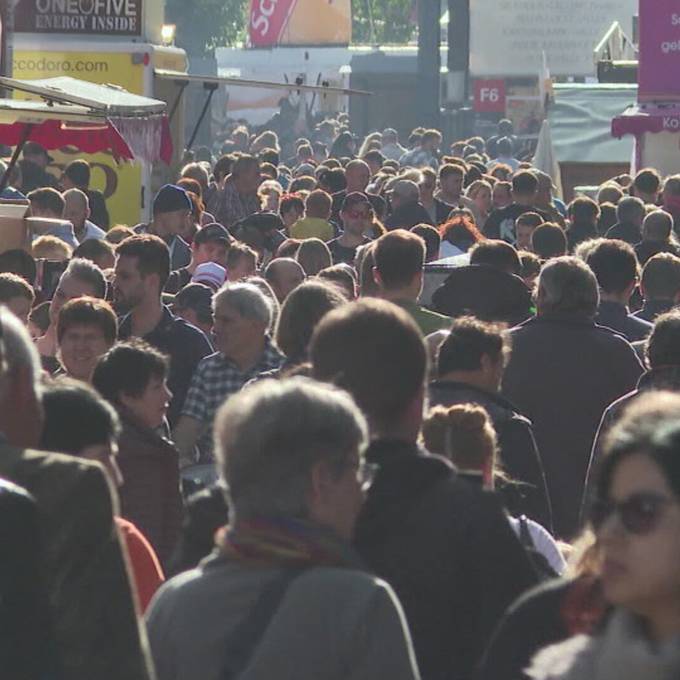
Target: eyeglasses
[638,514]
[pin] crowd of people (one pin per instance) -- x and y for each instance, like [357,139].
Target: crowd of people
[348,410]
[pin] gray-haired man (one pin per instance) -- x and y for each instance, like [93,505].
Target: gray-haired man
[242,315]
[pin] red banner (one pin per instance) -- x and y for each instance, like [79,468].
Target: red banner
[268,19]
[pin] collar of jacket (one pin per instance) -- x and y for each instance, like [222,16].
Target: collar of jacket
[137,428]
[483,394]
[661,378]
[571,319]
[613,309]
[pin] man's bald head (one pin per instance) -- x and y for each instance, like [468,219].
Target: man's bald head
[358,175]
[76,207]
[284,275]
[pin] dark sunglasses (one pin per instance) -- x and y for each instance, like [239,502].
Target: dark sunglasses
[638,514]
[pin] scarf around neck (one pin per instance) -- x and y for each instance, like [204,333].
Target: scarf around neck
[286,542]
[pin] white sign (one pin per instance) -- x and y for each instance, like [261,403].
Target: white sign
[508,36]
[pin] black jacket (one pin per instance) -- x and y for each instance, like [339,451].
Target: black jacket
[501,222]
[663,378]
[544,616]
[408,216]
[448,551]
[519,456]
[647,249]
[625,231]
[615,316]
[185,344]
[485,292]
[653,308]
[563,372]
[577,233]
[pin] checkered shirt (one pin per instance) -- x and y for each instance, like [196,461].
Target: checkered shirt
[217,378]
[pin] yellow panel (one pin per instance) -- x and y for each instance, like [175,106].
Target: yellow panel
[319,23]
[121,184]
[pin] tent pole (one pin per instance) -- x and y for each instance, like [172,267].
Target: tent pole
[182,86]
[15,157]
[212,87]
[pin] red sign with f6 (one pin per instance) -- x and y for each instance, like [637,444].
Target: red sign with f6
[489,96]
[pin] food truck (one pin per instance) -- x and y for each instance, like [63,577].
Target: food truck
[66,112]
[118,43]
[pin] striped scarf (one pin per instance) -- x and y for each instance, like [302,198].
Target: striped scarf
[286,542]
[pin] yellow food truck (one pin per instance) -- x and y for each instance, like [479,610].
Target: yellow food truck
[105,43]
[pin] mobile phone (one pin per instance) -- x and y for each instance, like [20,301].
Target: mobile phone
[48,274]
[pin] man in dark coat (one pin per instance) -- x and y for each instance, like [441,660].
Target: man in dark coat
[470,368]
[563,372]
[442,543]
[407,210]
[630,212]
[659,285]
[501,222]
[96,628]
[663,357]
[616,268]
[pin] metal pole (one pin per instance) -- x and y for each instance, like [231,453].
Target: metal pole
[7,56]
[429,63]
[15,157]
[212,87]
[459,51]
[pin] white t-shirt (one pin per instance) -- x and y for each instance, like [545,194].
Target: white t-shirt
[92,231]
[543,542]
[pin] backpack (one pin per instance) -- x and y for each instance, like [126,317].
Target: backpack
[538,559]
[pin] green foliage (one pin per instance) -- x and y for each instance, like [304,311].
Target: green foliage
[392,21]
[203,25]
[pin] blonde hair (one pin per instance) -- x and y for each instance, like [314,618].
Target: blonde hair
[51,248]
[462,433]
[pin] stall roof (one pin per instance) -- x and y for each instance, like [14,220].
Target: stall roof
[32,112]
[243,82]
[106,99]
[581,119]
[639,119]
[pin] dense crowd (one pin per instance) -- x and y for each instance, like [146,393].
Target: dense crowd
[349,409]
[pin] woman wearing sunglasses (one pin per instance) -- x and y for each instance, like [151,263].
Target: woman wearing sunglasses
[636,519]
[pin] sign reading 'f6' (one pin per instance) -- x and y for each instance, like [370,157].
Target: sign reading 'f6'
[300,22]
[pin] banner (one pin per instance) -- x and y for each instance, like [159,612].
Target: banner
[300,22]
[83,17]
[508,37]
[659,50]
[267,21]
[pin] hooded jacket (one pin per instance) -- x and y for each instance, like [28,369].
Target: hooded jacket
[527,494]
[448,551]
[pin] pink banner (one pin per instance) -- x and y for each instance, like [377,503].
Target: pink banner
[659,50]
[268,19]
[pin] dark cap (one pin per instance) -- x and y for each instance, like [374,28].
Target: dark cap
[196,296]
[35,149]
[355,198]
[264,221]
[171,198]
[211,233]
